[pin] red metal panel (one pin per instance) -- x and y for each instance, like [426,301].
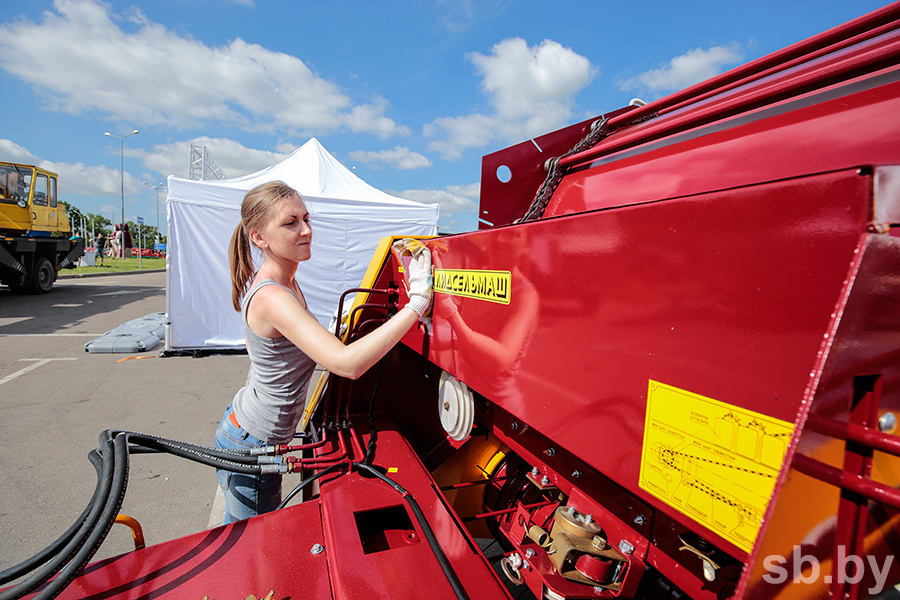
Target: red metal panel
[409,568]
[726,295]
[804,520]
[502,202]
[256,556]
[845,132]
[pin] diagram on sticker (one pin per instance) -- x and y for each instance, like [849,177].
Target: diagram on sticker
[714,462]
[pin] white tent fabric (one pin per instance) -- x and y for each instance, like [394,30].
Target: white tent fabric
[348,218]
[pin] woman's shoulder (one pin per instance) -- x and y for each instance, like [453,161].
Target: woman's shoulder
[269,305]
[269,291]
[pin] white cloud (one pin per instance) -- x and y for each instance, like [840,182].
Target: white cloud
[234,158]
[683,71]
[12,152]
[459,16]
[74,178]
[79,60]
[531,90]
[84,180]
[459,205]
[400,157]
[160,162]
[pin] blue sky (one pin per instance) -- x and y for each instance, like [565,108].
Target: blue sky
[410,94]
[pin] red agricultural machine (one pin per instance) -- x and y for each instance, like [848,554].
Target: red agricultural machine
[666,366]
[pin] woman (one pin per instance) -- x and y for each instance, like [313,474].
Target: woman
[284,340]
[117,243]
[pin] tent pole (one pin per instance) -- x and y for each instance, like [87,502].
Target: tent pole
[168,277]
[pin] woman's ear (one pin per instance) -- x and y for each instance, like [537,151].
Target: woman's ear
[257,239]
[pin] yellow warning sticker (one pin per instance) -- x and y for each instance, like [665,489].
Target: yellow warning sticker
[714,462]
[492,286]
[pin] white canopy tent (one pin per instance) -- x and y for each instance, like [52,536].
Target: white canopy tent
[348,218]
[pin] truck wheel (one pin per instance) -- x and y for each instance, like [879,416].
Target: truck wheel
[42,277]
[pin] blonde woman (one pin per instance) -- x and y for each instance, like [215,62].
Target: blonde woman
[284,340]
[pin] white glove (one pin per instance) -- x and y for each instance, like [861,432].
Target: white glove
[420,283]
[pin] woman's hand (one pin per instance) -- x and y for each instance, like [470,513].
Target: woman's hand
[420,282]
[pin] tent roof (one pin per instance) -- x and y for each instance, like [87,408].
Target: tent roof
[310,169]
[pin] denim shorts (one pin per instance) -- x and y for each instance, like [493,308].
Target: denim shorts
[245,495]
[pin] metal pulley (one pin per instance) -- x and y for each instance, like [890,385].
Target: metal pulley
[456,406]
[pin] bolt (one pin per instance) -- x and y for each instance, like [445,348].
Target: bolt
[545,480]
[514,425]
[887,422]
[551,452]
[576,474]
[529,553]
[598,542]
[626,547]
[317,549]
[640,520]
[535,472]
[587,519]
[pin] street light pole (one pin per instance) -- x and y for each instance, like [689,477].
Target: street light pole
[157,188]
[122,177]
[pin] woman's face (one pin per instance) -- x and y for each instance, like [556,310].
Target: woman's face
[288,234]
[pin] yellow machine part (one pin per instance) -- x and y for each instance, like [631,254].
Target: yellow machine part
[474,461]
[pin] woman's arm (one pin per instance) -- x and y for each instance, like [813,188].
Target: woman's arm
[273,306]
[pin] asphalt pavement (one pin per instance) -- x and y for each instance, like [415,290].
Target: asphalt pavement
[55,399]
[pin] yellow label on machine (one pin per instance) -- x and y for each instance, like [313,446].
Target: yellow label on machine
[492,286]
[714,462]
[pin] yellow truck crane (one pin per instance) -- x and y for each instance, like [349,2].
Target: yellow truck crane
[34,230]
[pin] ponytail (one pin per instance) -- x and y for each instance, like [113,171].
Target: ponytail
[256,209]
[241,262]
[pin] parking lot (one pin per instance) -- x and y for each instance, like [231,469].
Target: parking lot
[55,399]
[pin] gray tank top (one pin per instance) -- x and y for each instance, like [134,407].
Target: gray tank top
[271,404]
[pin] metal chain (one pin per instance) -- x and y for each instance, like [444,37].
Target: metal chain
[598,131]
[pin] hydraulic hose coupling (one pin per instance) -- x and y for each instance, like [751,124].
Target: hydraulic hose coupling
[275,450]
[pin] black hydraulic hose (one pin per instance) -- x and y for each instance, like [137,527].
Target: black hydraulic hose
[219,452]
[75,548]
[153,443]
[446,567]
[98,534]
[373,433]
[195,454]
[30,564]
[48,570]
[309,480]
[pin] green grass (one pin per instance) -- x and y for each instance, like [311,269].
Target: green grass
[112,265]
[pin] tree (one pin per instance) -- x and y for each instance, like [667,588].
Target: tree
[144,235]
[100,223]
[93,223]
